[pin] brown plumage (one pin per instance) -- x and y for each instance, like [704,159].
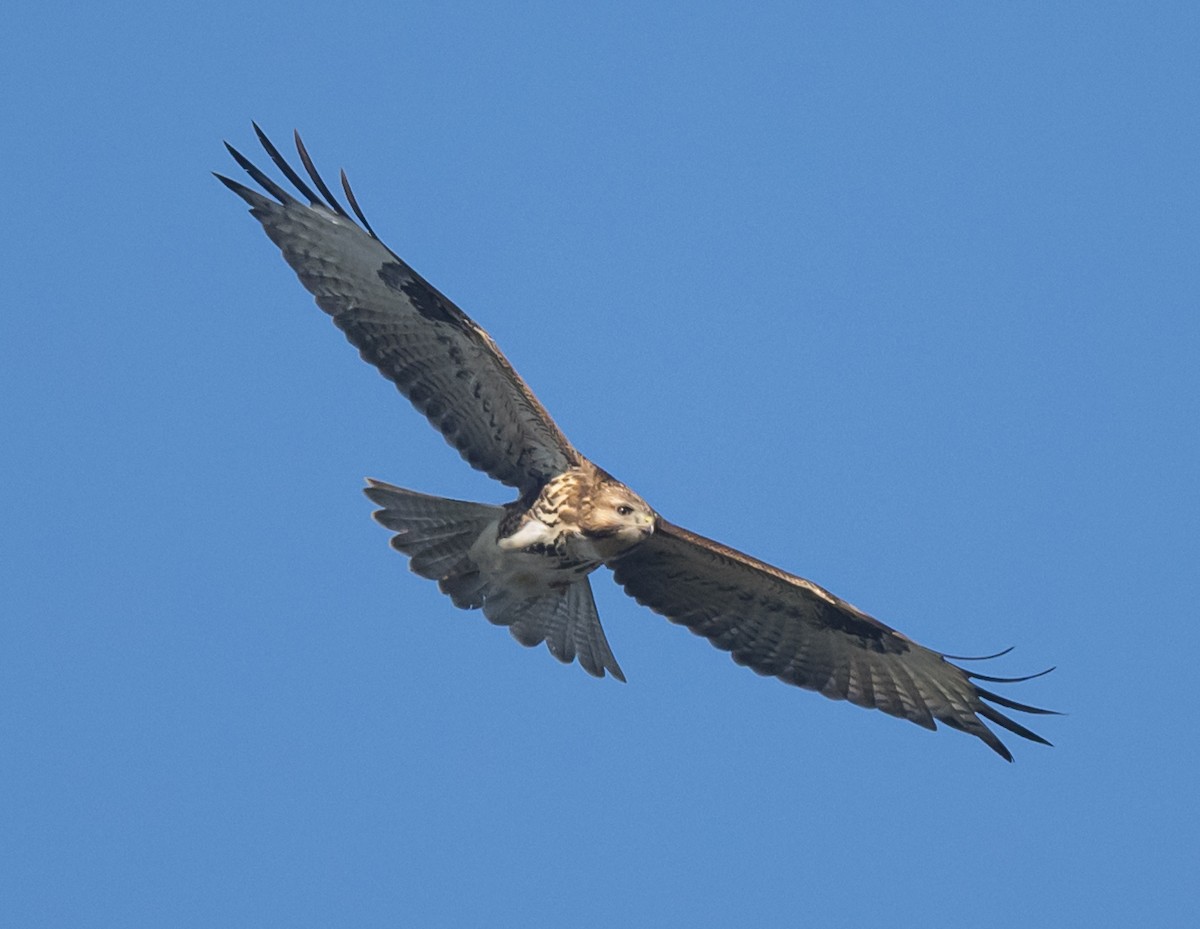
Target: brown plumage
[527,565]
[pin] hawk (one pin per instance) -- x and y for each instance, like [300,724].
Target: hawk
[527,564]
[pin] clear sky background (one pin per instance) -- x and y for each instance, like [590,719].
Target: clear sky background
[897,296]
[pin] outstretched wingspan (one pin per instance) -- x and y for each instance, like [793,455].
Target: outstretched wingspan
[431,350]
[784,626]
[526,565]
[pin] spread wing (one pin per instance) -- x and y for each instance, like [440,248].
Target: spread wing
[431,350]
[784,626]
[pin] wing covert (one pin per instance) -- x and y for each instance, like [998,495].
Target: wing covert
[437,356]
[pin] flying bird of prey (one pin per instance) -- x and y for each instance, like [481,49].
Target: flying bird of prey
[527,564]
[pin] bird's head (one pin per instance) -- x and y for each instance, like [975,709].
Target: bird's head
[614,514]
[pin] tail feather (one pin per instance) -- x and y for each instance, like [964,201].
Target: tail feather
[565,619]
[443,558]
[465,589]
[437,535]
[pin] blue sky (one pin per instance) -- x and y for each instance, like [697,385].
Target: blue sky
[899,297]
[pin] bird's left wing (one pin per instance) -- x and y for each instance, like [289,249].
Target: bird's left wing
[431,350]
[784,626]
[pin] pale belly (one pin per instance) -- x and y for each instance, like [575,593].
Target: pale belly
[532,560]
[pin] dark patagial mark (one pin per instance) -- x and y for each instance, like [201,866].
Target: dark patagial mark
[424,299]
[869,635]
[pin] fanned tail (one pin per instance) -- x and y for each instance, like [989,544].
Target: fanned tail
[565,619]
[437,534]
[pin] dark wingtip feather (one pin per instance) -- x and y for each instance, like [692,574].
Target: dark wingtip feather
[354,206]
[1014,705]
[259,178]
[305,160]
[240,189]
[972,726]
[999,654]
[998,747]
[1007,680]
[282,165]
[995,716]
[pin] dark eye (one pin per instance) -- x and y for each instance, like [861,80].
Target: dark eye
[624,510]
